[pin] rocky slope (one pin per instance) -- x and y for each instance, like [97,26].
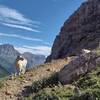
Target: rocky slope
[81,30]
[8,55]
[42,83]
[15,88]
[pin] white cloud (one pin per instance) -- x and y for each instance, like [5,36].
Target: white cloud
[20,37]
[42,50]
[14,18]
[10,13]
[21,27]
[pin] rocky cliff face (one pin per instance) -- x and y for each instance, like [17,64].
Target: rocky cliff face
[81,30]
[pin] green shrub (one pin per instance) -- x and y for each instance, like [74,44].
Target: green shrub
[49,88]
[89,86]
[45,82]
[55,93]
[86,96]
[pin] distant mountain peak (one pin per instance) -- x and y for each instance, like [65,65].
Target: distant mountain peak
[8,50]
[7,46]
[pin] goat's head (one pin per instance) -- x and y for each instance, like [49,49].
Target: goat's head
[20,57]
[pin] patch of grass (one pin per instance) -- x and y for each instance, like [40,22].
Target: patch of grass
[54,93]
[85,96]
[89,86]
[45,82]
[90,80]
[97,51]
[49,89]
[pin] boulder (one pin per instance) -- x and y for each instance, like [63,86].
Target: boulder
[80,65]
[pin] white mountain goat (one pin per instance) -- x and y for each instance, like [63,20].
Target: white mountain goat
[20,64]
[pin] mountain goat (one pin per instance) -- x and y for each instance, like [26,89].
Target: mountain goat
[20,64]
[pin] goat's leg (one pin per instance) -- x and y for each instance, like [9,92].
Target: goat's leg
[20,71]
[23,70]
[17,71]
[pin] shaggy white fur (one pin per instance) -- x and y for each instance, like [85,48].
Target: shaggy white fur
[21,63]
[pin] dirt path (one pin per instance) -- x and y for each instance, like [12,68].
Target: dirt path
[13,88]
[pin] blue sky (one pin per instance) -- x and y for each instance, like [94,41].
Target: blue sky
[32,25]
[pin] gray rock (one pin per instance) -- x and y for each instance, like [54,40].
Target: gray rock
[80,65]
